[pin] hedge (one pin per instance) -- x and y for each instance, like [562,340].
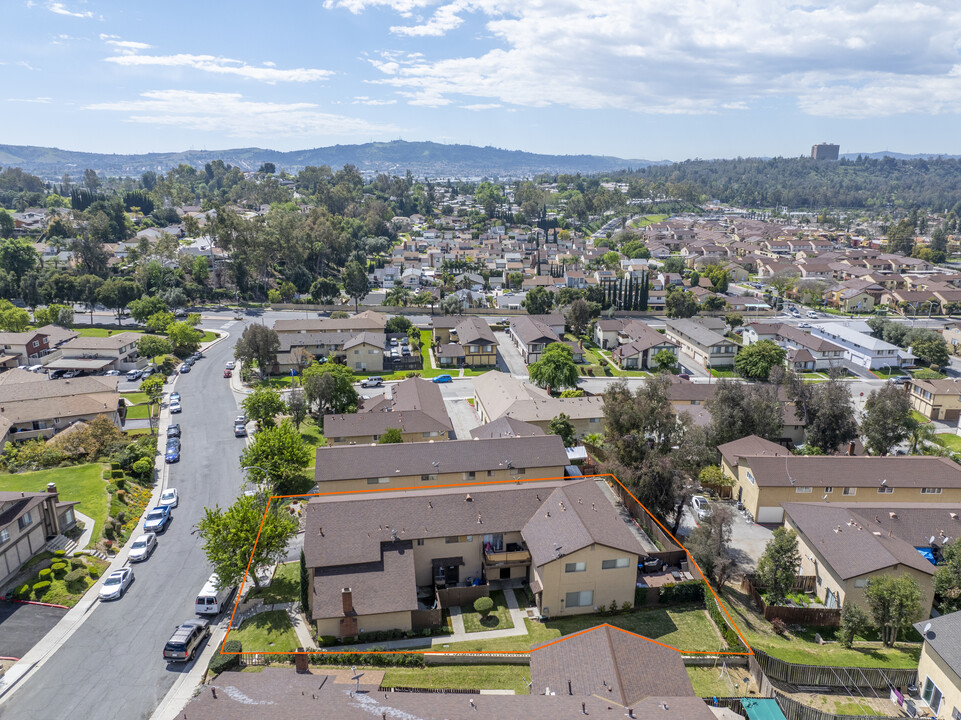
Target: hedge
[40,588]
[368,658]
[682,592]
[45,574]
[59,569]
[22,593]
[730,637]
[220,662]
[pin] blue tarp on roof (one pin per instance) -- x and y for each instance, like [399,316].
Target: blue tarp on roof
[762,709]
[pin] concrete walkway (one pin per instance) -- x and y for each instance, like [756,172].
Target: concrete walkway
[88,525]
[457,622]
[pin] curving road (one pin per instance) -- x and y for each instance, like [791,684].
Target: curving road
[112,665]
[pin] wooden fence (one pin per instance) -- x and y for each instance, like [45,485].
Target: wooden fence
[793,710]
[833,676]
[671,554]
[461,596]
[821,617]
[732,703]
[423,619]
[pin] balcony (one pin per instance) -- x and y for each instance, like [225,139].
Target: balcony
[513,554]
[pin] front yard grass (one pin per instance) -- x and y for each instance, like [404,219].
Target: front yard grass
[918,417]
[724,373]
[718,681]
[801,648]
[313,436]
[887,373]
[460,677]
[266,632]
[61,593]
[498,619]
[284,586]
[949,440]
[80,482]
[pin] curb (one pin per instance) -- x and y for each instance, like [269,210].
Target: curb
[33,602]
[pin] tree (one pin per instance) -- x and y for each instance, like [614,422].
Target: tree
[88,289]
[562,426]
[247,532]
[578,316]
[665,361]
[556,368]
[259,344]
[756,360]
[778,567]
[538,301]
[901,237]
[7,224]
[287,291]
[947,579]
[297,406]
[391,436]
[714,477]
[159,322]
[920,434]
[831,422]
[263,405]
[673,264]
[18,256]
[324,291]
[887,419]
[356,284]
[680,303]
[738,410]
[184,338]
[12,318]
[854,622]
[281,457]
[117,293]
[895,604]
[142,308]
[931,349]
[329,388]
[398,324]
[709,543]
[153,388]
[714,302]
[734,320]
[151,346]
[483,606]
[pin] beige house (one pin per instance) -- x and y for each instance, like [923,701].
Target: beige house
[27,520]
[566,538]
[936,399]
[367,321]
[98,354]
[701,344]
[845,545]
[415,407]
[467,340]
[939,668]
[766,479]
[351,468]
[364,352]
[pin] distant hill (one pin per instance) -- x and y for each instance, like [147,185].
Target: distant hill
[421,158]
[897,155]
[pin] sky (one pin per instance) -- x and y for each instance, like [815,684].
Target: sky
[639,79]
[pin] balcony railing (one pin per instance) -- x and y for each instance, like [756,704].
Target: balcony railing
[514,557]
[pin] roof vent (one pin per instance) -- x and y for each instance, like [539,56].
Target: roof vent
[468,498]
[954,516]
[893,515]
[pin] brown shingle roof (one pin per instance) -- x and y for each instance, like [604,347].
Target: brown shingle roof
[750,446]
[384,586]
[846,471]
[506,427]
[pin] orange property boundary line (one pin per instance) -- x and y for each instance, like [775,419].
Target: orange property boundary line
[485,652]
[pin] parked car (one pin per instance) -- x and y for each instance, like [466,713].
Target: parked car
[186,640]
[240,430]
[812,314]
[701,505]
[175,397]
[112,373]
[804,325]
[230,365]
[228,372]
[172,454]
[242,419]
[175,406]
[70,374]
[372,381]
[158,519]
[55,374]
[684,376]
[133,375]
[443,379]
[173,431]
[170,498]
[143,547]
[116,584]
[185,368]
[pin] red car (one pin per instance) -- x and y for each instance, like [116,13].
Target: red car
[228,373]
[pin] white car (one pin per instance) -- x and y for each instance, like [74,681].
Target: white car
[812,314]
[116,584]
[143,547]
[170,497]
[702,506]
[804,325]
[175,397]
[230,365]
[175,406]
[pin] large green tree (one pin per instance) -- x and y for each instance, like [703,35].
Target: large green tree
[555,369]
[680,303]
[184,338]
[142,308]
[280,456]
[779,564]
[249,534]
[329,389]
[710,542]
[578,316]
[356,284]
[895,604]
[947,579]
[562,426]
[756,360]
[116,293]
[738,409]
[18,256]
[887,419]
[264,405]
[150,346]
[258,343]
[538,301]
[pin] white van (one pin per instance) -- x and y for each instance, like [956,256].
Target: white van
[210,600]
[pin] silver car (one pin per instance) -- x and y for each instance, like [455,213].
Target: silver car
[143,547]
[116,584]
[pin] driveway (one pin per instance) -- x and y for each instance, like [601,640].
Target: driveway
[462,416]
[22,626]
[748,539]
[509,359]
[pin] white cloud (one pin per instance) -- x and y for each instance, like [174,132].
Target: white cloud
[221,66]
[840,58]
[61,9]
[477,107]
[128,46]
[364,100]
[41,100]
[233,115]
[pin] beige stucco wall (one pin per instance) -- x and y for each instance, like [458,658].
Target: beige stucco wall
[471,550]
[367,623]
[21,546]
[616,584]
[945,402]
[365,357]
[414,481]
[367,439]
[931,665]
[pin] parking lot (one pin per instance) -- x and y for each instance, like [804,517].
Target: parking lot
[23,625]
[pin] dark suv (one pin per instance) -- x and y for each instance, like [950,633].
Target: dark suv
[186,640]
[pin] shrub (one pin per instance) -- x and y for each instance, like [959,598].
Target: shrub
[682,592]
[77,564]
[75,575]
[483,606]
[730,637]
[779,626]
[115,466]
[22,592]
[220,662]
[141,468]
[40,588]
[59,569]
[120,482]
[59,553]
[44,574]
[117,474]
[327,640]
[107,474]
[93,572]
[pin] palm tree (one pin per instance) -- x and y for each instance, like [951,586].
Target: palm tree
[921,435]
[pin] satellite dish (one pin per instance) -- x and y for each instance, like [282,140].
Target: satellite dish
[927,628]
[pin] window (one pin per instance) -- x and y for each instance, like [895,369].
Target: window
[802,489]
[861,583]
[931,695]
[4,536]
[615,563]
[829,489]
[520,471]
[594,420]
[930,491]
[432,477]
[378,481]
[885,490]
[430,434]
[584,598]
[420,541]
[470,475]
[458,539]
[575,567]
[24,520]
[849,491]
[36,343]
[750,477]
[956,714]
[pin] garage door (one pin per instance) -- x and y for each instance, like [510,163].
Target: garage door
[770,514]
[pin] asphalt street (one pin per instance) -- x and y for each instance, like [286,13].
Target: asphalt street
[22,625]
[112,665]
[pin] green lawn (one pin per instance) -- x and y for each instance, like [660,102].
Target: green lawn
[718,681]
[682,627]
[803,649]
[648,220]
[134,398]
[499,618]
[461,677]
[312,435]
[81,482]
[428,371]
[283,588]
[724,373]
[139,412]
[266,632]
[918,417]
[888,372]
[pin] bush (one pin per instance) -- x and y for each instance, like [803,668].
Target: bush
[412,373]
[22,592]
[93,572]
[77,564]
[40,588]
[117,474]
[730,637]
[220,662]
[75,575]
[59,569]
[59,553]
[483,606]
[44,574]
[327,640]
[107,475]
[115,466]
[682,592]
[120,482]
[779,626]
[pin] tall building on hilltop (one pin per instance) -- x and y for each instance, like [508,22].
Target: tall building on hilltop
[824,151]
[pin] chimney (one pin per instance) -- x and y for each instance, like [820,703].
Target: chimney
[52,488]
[851,449]
[348,599]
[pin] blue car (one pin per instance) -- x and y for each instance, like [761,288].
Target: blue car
[443,379]
[173,453]
[158,519]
